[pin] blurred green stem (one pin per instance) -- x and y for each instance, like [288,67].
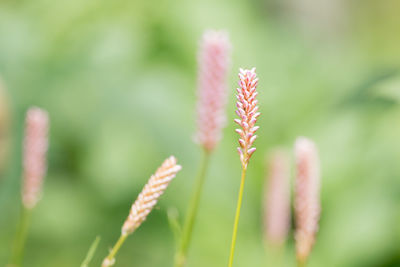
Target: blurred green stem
[114,250]
[301,263]
[20,237]
[174,223]
[91,252]
[181,255]
[237,216]
[275,254]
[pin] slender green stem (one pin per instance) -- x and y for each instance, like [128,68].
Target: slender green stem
[301,263]
[275,254]
[20,237]
[115,249]
[173,221]
[180,257]
[237,216]
[91,252]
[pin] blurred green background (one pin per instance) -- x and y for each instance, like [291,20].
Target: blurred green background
[118,79]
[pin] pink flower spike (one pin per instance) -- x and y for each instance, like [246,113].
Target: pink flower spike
[150,194]
[307,198]
[35,149]
[247,104]
[214,61]
[277,199]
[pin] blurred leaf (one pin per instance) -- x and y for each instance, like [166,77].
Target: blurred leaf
[369,92]
[173,220]
[91,252]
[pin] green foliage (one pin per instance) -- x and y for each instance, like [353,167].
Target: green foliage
[91,252]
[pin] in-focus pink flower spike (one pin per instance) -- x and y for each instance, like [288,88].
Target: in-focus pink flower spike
[214,61]
[35,150]
[277,198]
[247,110]
[307,198]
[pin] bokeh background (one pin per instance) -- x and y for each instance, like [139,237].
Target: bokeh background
[118,79]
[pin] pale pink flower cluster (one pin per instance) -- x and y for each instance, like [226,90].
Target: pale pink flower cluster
[277,198]
[307,198]
[150,194]
[35,149]
[247,110]
[214,61]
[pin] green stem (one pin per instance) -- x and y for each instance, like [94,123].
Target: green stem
[91,252]
[275,254]
[115,249]
[235,225]
[301,263]
[20,238]
[180,257]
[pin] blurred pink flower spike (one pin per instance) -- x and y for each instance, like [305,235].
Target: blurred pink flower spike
[35,150]
[307,198]
[214,61]
[247,110]
[277,199]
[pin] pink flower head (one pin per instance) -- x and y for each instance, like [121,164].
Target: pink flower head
[307,199]
[247,110]
[214,61]
[277,199]
[35,149]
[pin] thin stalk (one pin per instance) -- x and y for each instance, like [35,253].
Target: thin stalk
[20,237]
[117,246]
[181,255]
[91,252]
[301,263]
[275,254]
[172,214]
[237,216]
